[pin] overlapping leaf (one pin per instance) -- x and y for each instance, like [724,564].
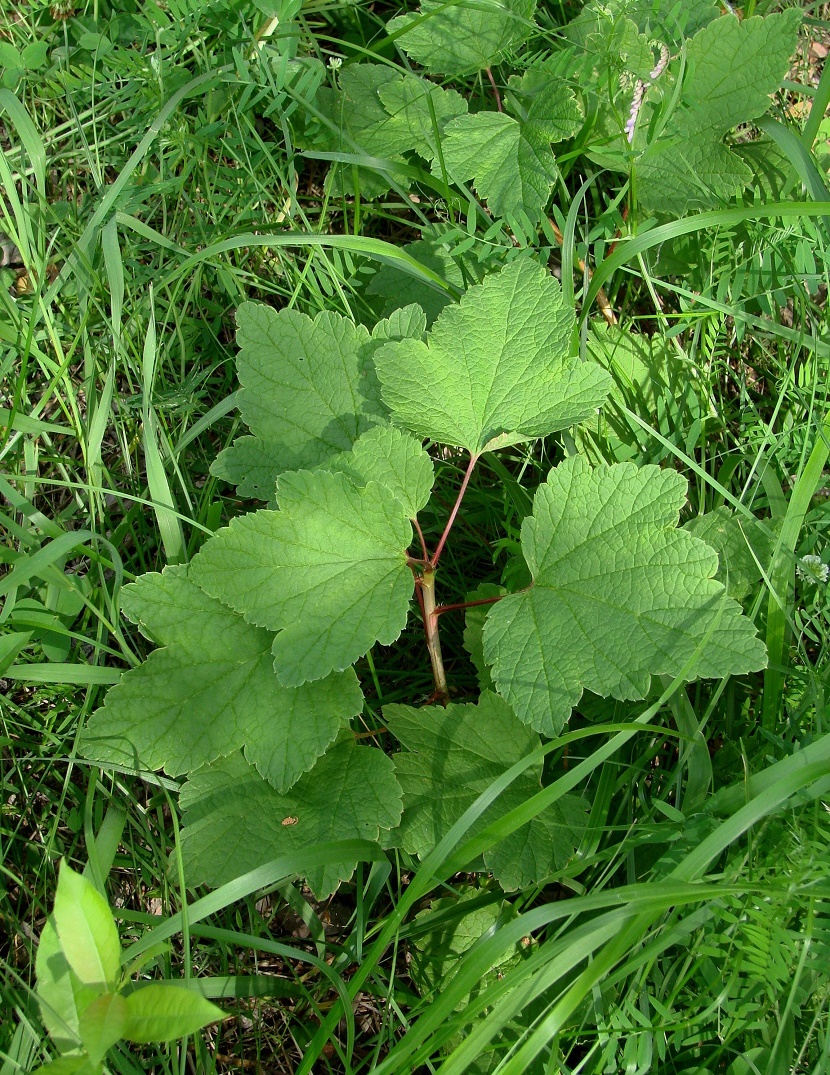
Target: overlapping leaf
[211,690]
[328,571]
[305,396]
[394,459]
[735,66]
[619,594]
[422,109]
[510,160]
[453,755]
[234,821]
[744,549]
[398,288]
[454,39]
[382,113]
[663,19]
[495,368]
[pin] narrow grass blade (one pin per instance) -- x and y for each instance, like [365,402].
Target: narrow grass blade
[164,506]
[29,137]
[80,674]
[629,248]
[783,572]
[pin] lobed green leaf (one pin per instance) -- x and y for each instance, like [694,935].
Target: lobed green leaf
[234,821]
[453,755]
[619,594]
[466,36]
[306,394]
[211,690]
[495,368]
[328,571]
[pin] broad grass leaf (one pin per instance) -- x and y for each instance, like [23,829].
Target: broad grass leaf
[452,755]
[302,394]
[234,821]
[162,1012]
[328,571]
[496,367]
[455,39]
[619,594]
[211,690]
[86,930]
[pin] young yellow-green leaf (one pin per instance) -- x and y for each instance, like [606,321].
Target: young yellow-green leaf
[235,822]
[454,754]
[734,65]
[394,459]
[328,571]
[162,1012]
[511,162]
[60,994]
[86,930]
[211,690]
[741,546]
[457,38]
[302,394]
[495,368]
[102,1024]
[619,594]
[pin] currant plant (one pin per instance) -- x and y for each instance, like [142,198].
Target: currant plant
[253,689]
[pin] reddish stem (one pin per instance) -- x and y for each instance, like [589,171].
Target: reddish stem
[440,609]
[495,88]
[436,556]
[420,534]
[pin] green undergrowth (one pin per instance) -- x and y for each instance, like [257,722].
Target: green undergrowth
[322,324]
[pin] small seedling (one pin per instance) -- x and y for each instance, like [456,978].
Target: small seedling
[88,1000]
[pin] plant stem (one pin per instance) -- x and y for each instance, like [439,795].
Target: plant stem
[437,554]
[495,89]
[440,609]
[427,589]
[420,534]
